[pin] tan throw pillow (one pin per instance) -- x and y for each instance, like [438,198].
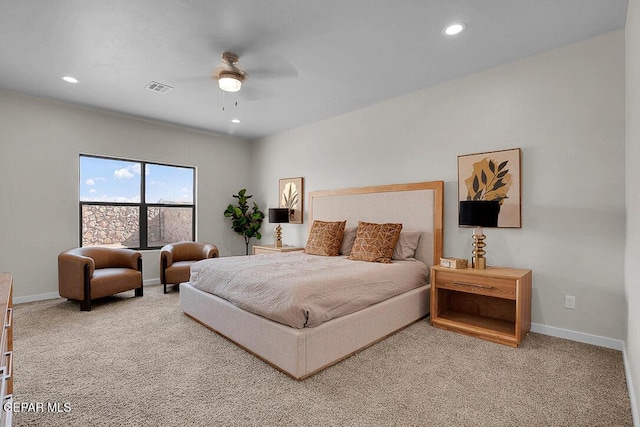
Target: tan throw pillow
[375,242]
[325,238]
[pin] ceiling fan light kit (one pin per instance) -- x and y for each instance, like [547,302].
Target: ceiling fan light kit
[229,76]
[229,81]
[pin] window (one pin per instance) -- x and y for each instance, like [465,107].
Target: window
[120,206]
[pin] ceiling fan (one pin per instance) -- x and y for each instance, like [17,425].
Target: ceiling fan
[229,76]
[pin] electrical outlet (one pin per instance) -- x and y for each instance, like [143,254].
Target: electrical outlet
[570,302]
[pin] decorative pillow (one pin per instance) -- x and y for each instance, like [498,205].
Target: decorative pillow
[347,240]
[325,238]
[407,244]
[375,242]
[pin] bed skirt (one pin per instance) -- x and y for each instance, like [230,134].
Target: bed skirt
[302,352]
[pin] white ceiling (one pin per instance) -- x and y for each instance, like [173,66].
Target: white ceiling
[307,60]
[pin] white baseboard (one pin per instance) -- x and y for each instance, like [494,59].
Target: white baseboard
[578,336]
[632,393]
[54,295]
[32,298]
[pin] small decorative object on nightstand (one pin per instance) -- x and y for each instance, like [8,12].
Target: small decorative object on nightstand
[271,249]
[493,304]
[453,263]
[278,216]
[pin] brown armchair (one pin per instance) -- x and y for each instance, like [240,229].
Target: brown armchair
[176,260]
[88,273]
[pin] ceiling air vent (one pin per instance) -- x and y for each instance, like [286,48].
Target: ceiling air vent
[159,87]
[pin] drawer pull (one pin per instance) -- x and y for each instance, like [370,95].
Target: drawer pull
[3,387]
[473,285]
[9,318]
[9,357]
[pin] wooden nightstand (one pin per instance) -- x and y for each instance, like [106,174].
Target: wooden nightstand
[270,249]
[493,304]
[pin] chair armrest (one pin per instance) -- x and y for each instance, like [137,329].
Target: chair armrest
[71,268]
[166,253]
[210,251]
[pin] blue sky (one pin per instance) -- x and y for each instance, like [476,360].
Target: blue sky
[109,180]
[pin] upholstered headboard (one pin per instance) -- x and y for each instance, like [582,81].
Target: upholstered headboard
[418,206]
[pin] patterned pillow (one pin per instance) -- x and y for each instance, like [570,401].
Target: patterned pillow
[375,242]
[325,238]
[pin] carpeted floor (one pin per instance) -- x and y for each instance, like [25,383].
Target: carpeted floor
[141,362]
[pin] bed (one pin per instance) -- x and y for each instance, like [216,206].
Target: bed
[301,352]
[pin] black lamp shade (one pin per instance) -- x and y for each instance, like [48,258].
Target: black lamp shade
[479,213]
[278,215]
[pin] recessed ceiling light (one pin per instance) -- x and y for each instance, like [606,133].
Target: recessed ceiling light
[235,120]
[453,29]
[70,79]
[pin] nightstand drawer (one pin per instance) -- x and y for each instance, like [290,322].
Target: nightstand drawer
[481,285]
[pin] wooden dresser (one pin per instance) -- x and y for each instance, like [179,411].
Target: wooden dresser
[6,363]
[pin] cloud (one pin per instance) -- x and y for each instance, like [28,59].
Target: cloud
[128,172]
[92,191]
[90,182]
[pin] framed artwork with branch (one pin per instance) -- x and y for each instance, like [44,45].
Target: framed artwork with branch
[493,175]
[291,194]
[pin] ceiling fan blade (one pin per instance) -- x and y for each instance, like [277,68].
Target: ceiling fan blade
[274,73]
[253,93]
[268,65]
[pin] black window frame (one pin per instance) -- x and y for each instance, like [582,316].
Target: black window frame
[143,206]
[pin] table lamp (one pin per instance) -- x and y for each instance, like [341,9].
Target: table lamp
[278,216]
[478,214]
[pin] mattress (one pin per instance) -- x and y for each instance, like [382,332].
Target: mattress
[301,290]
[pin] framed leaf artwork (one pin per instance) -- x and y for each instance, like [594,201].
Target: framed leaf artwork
[291,193]
[494,175]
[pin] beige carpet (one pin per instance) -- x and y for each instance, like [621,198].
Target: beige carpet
[141,362]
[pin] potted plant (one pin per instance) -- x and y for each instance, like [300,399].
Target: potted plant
[244,221]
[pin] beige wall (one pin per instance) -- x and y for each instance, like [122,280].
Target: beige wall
[632,266]
[564,108]
[40,141]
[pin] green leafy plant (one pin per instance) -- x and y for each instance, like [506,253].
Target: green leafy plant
[245,221]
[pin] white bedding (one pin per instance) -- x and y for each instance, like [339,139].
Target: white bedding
[303,290]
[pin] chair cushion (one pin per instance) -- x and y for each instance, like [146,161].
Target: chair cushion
[179,272]
[109,281]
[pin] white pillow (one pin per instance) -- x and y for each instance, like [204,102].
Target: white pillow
[407,244]
[348,238]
